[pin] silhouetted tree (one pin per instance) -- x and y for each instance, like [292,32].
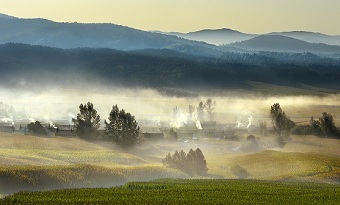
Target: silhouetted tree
[87,121]
[36,128]
[200,163]
[281,123]
[327,125]
[122,127]
[315,127]
[210,106]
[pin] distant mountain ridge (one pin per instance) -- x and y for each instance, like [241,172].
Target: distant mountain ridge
[214,36]
[102,35]
[6,16]
[278,43]
[311,37]
[199,43]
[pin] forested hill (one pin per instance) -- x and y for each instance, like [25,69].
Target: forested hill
[96,35]
[36,66]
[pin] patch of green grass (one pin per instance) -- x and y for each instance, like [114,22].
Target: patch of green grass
[38,178]
[196,191]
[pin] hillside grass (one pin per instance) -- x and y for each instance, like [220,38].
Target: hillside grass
[36,163]
[203,191]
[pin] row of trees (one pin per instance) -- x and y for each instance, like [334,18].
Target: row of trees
[121,127]
[282,125]
[193,163]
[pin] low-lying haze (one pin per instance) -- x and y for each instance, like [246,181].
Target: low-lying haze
[147,104]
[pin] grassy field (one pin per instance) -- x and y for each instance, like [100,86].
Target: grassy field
[36,163]
[198,191]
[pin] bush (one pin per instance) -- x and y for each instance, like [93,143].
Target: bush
[36,128]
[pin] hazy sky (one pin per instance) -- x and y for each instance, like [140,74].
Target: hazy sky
[251,16]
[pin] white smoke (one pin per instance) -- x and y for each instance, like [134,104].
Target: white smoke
[244,120]
[6,120]
[250,120]
[71,116]
[31,119]
[198,125]
[179,118]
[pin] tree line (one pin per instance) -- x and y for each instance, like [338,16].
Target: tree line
[283,126]
[121,127]
[193,163]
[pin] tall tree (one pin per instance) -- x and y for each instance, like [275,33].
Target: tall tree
[210,106]
[87,121]
[122,127]
[281,122]
[201,163]
[327,125]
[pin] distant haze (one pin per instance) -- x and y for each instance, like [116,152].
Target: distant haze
[261,16]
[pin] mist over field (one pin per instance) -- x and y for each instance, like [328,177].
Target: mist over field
[63,103]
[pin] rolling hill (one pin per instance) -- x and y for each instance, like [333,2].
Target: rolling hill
[96,35]
[215,36]
[277,43]
[311,37]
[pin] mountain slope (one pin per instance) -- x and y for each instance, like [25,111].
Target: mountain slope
[25,66]
[311,37]
[279,43]
[215,36]
[76,35]
[4,16]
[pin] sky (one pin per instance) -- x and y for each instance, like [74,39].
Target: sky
[249,16]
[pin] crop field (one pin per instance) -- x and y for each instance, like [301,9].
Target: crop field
[41,164]
[198,191]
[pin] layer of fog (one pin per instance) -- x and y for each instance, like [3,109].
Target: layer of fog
[147,104]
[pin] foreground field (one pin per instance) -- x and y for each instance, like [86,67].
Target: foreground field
[189,192]
[29,163]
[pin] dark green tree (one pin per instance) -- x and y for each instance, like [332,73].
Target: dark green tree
[87,122]
[122,128]
[315,127]
[36,128]
[281,122]
[327,125]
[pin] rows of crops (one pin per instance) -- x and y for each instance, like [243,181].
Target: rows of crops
[195,191]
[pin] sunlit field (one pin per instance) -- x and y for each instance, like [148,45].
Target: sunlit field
[189,192]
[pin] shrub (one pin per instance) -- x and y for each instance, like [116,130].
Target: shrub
[36,128]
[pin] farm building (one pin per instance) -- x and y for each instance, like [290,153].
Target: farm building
[9,129]
[153,136]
